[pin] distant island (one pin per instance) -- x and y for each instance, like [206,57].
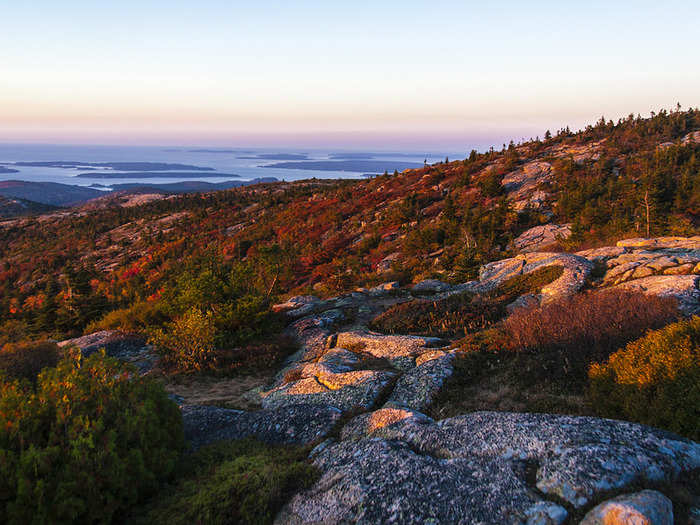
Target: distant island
[278,156]
[4,169]
[151,174]
[360,166]
[122,166]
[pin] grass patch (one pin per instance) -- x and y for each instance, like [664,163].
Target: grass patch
[464,313]
[233,482]
[487,378]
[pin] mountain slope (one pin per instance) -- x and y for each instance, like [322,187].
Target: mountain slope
[444,220]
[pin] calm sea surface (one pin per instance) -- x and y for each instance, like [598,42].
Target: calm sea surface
[223,162]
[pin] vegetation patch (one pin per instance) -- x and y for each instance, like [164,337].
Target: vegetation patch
[569,334]
[487,377]
[654,380]
[26,359]
[235,482]
[85,444]
[464,313]
[537,360]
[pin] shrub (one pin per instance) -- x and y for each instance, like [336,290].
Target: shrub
[491,185]
[463,313]
[235,482]
[188,342]
[87,442]
[571,333]
[136,318]
[25,360]
[654,380]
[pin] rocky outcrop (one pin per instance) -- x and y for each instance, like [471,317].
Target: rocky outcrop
[682,287]
[385,264]
[418,387]
[348,391]
[693,137]
[400,466]
[430,286]
[523,184]
[662,243]
[647,507]
[126,347]
[352,370]
[294,424]
[539,237]
[391,347]
[299,305]
[576,270]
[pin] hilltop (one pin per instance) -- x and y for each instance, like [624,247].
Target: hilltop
[448,338]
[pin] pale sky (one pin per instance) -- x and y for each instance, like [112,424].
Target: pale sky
[356,73]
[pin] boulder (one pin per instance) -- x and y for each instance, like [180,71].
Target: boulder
[539,237]
[367,424]
[348,391]
[120,345]
[294,424]
[430,286]
[299,306]
[546,513]
[647,507]
[400,466]
[383,288]
[683,287]
[386,346]
[417,388]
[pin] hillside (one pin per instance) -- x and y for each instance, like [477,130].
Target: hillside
[51,193]
[10,207]
[441,221]
[449,336]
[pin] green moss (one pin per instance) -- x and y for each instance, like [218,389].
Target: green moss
[232,482]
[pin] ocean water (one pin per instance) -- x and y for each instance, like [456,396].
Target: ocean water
[247,163]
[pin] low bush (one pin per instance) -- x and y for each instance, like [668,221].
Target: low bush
[238,482]
[571,333]
[84,444]
[464,313]
[654,380]
[188,342]
[26,359]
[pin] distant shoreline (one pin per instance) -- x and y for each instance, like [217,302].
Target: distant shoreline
[154,174]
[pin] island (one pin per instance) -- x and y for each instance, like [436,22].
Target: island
[122,166]
[152,174]
[360,166]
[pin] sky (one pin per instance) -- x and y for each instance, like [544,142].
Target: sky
[385,74]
